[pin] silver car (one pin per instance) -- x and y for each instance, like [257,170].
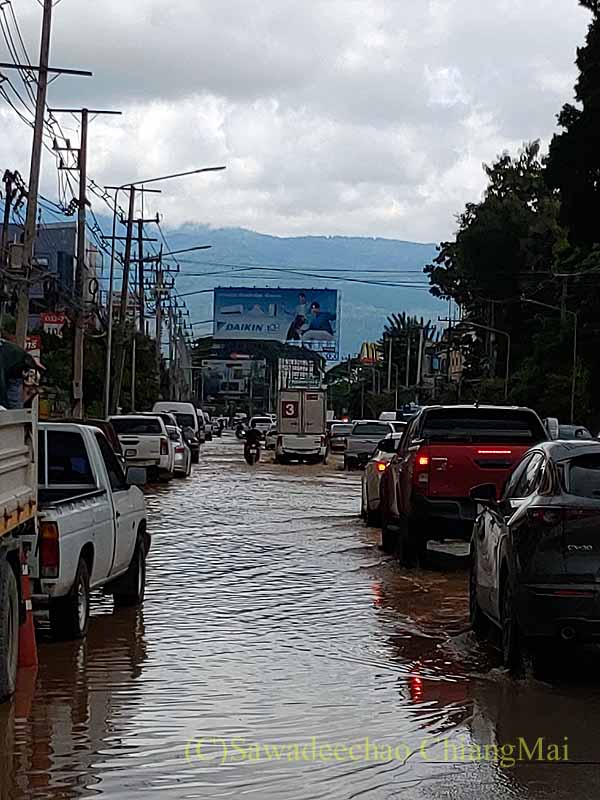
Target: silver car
[374,469]
[182,464]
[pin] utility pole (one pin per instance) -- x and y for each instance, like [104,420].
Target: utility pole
[36,160]
[120,358]
[9,194]
[408,344]
[34,176]
[389,376]
[141,291]
[419,365]
[80,266]
[80,272]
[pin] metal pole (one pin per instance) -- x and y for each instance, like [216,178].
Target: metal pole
[397,377]
[80,272]
[389,378]
[408,361]
[133,376]
[22,321]
[109,336]
[574,377]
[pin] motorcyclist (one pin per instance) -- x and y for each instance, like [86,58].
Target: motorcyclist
[253,437]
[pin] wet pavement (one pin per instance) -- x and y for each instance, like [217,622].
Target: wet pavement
[280,655]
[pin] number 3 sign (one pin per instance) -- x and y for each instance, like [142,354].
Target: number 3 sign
[290,409]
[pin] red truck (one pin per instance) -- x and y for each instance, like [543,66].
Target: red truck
[444,453]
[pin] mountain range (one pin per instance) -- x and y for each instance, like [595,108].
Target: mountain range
[375,276]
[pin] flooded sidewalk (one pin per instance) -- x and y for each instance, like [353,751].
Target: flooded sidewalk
[279,654]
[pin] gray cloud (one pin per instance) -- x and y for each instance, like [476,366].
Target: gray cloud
[333,116]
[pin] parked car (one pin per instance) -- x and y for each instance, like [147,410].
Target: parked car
[371,478]
[445,451]
[145,443]
[337,436]
[271,439]
[573,432]
[363,439]
[261,423]
[92,527]
[535,551]
[182,461]
[204,424]
[186,416]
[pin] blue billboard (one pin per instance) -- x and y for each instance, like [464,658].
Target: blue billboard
[306,317]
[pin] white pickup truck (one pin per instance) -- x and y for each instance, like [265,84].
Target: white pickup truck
[145,442]
[92,527]
[82,528]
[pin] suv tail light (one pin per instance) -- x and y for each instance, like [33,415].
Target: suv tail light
[549,516]
[381,466]
[49,550]
[164,447]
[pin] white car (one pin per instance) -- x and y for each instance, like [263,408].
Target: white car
[145,443]
[262,424]
[371,479]
[182,465]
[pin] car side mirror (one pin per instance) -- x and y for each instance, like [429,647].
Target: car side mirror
[136,476]
[485,493]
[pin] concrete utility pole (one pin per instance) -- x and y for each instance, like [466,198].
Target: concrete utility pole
[36,160]
[389,376]
[34,176]
[419,365]
[80,267]
[141,291]
[120,359]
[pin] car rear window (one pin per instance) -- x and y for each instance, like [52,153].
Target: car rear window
[371,429]
[185,420]
[480,425]
[140,426]
[341,429]
[583,476]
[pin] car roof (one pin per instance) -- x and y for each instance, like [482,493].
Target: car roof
[563,450]
[472,406]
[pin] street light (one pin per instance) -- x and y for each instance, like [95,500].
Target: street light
[109,337]
[575,322]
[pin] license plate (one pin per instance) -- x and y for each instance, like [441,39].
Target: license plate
[130,453]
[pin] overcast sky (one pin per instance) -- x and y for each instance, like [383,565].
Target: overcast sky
[359,117]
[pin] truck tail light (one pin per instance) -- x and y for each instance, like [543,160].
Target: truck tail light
[381,466]
[49,550]
[164,447]
[323,441]
[421,471]
[280,441]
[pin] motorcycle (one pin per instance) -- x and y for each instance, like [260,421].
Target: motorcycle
[252,453]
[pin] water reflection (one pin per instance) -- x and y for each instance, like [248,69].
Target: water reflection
[56,727]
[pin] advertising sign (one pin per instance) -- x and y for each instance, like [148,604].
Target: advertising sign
[53,322]
[306,317]
[299,374]
[232,377]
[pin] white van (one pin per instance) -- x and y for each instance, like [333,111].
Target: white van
[185,413]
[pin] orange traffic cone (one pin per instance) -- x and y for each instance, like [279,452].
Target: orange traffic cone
[27,644]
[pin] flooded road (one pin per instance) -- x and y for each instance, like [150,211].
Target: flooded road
[279,655]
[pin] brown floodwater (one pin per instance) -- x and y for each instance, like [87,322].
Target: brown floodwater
[280,655]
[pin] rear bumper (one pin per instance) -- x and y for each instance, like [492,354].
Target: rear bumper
[445,517]
[543,613]
[361,459]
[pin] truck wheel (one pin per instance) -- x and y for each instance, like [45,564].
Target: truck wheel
[70,615]
[131,588]
[389,538]
[9,630]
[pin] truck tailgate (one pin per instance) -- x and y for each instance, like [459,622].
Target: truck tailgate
[454,469]
[140,448]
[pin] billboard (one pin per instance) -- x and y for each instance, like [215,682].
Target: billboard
[306,317]
[233,377]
